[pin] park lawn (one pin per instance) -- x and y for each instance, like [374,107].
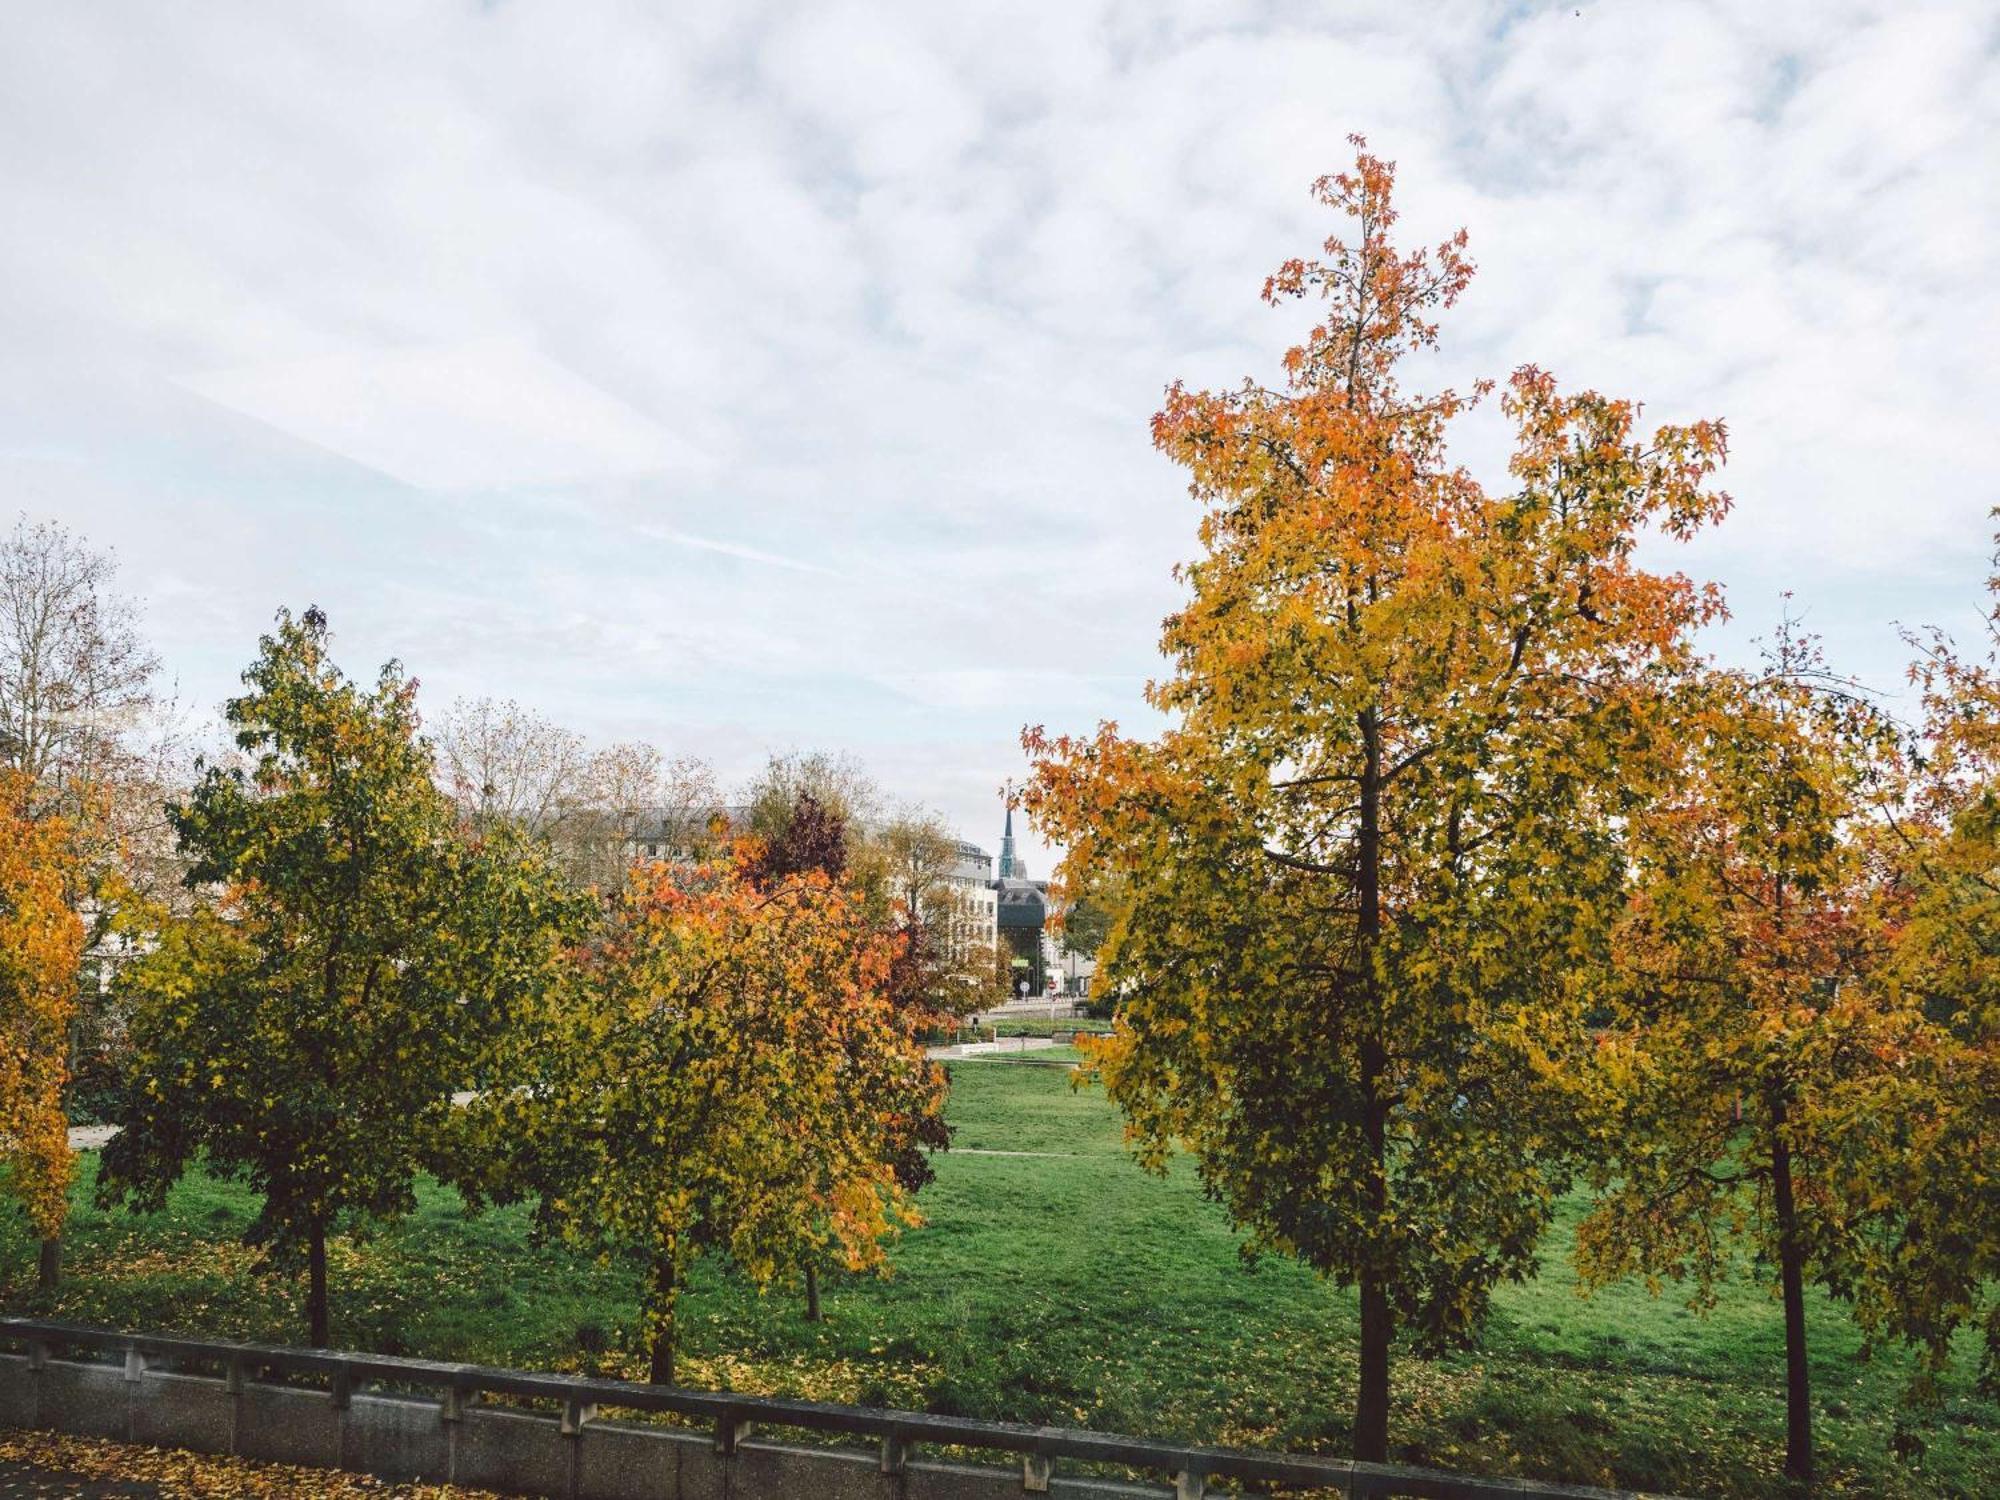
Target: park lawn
[1063,1285]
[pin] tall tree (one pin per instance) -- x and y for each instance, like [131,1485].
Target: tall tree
[505,764]
[1379,834]
[308,1030]
[720,1081]
[76,687]
[75,672]
[41,945]
[1745,1023]
[635,799]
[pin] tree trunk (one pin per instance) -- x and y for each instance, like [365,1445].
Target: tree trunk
[48,1270]
[1371,1399]
[664,1293]
[316,1284]
[1791,1272]
[1371,1396]
[812,1294]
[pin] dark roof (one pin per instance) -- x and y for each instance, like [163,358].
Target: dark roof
[1022,903]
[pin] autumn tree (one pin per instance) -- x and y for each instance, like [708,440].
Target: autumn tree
[716,1082]
[77,715]
[837,785]
[634,799]
[1746,1024]
[811,838]
[1360,869]
[306,1032]
[894,878]
[1927,1140]
[505,764]
[41,945]
[944,965]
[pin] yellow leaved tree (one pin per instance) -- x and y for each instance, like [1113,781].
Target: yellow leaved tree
[1359,872]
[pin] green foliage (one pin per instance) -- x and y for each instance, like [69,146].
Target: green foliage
[359,964]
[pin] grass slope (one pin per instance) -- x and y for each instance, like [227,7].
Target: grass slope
[1066,1286]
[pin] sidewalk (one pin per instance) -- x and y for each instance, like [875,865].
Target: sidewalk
[988,1049]
[95,1137]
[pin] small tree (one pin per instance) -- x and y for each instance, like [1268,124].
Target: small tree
[307,1031]
[812,839]
[837,786]
[1746,1024]
[718,1082]
[1362,866]
[41,944]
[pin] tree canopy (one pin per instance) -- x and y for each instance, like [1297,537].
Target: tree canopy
[1378,838]
[308,1029]
[726,1075]
[41,946]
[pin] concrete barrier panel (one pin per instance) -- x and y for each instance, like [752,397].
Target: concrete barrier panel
[85,1399]
[705,1473]
[825,1474]
[281,1425]
[17,1391]
[963,1482]
[183,1411]
[622,1461]
[511,1452]
[397,1438]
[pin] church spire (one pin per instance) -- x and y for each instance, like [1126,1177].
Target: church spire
[1007,848]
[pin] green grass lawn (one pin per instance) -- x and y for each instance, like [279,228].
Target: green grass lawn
[1069,1287]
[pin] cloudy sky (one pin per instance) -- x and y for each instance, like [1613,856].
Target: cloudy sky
[751,377]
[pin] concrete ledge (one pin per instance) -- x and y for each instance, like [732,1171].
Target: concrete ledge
[451,1436]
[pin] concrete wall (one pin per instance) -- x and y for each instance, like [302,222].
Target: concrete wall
[411,1438]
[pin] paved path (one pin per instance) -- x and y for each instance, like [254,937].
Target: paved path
[1001,1048]
[95,1137]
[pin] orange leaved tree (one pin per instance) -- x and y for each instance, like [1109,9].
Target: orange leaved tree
[1359,871]
[41,946]
[727,1076]
[1749,1030]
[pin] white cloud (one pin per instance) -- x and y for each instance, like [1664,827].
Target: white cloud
[487,415]
[780,375]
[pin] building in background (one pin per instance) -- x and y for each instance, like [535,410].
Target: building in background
[1023,912]
[972,882]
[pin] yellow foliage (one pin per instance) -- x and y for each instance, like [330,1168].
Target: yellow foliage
[41,946]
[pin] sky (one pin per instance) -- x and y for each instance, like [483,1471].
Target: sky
[751,378]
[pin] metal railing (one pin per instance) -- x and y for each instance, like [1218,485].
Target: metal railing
[897,1433]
